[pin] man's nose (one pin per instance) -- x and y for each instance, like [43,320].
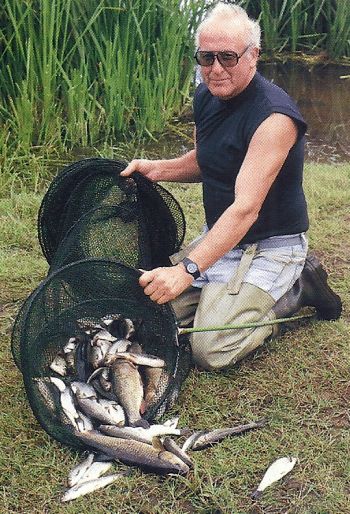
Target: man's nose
[216,67]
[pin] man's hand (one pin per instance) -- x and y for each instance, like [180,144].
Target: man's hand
[146,167]
[165,284]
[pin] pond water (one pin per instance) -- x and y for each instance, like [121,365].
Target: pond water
[322,94]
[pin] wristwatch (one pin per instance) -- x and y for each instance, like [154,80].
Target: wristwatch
[191,267]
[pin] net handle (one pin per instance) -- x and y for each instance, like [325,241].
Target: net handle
[243,325]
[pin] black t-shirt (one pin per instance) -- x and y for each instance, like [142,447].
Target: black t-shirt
[224,129]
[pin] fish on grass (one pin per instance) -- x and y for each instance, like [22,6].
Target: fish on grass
[275,472]
[80,489]
[136,453]
[202,439]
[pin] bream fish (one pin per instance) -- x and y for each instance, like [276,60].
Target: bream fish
[128,387]
[134,453]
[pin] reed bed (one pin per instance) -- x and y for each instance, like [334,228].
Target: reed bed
[76,74]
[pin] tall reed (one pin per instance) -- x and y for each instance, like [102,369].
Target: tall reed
[75,73]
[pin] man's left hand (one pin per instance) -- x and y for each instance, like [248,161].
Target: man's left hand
[165,284]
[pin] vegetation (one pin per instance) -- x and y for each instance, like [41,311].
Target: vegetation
[73,74]
[299,382]
[84,74]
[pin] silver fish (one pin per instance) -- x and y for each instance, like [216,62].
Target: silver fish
[79,470]
[83,390]
[128,387]
[120,346]
[274,472]
[170,445]
[59,365]
[207,438]
[67,401]
[88,487]
[96,354]
[94,409]
[135,453]
[103,335]
[190,440]
[84,423]
[68,406]
[141,359]
[144,435]
[95,470]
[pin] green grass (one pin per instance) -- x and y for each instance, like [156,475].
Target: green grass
[299,382]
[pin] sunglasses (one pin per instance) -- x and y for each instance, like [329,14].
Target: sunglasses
[226,58]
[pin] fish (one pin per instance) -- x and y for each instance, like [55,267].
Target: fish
[59,365]
[135,453]
[153,396]
[190,440]
[83,390]
[109,414]
[96,354]
[50,398]
[88,487]
[144,435]
[79,470]
[138,359]
[95,470]
[101,336]
[152,379]
[119,346]
[69,351]
[68,406]
[170,445]
[128,387]
[277,470]
[207,438]
[67,401]
[83,422]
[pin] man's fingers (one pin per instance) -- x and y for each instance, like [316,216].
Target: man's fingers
[129,169]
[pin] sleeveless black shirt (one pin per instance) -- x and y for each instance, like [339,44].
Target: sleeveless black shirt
[224,129]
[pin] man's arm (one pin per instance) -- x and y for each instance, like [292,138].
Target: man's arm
[268,149]
[181,169]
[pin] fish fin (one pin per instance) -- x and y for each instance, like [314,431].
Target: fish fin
[143,423]
[143,407]
[157,444]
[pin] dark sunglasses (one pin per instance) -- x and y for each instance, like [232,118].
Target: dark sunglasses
[226,58]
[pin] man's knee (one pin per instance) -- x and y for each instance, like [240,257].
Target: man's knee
[214,351]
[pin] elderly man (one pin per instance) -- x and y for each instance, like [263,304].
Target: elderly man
[251,263]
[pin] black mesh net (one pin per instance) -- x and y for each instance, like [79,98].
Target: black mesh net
[96,229]
[126,211]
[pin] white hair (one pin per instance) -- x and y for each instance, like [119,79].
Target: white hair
[229,13]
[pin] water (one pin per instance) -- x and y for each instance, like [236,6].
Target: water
[323,98]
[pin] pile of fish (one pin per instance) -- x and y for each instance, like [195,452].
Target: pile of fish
[151,449]
[101,383]
[103,376]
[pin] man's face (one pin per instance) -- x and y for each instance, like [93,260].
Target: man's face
[227,82]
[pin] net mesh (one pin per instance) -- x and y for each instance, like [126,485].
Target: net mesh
[95,229]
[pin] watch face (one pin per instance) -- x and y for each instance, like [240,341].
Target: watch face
[192,267]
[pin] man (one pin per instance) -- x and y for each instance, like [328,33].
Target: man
[251,263]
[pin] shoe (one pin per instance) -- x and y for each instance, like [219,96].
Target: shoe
[310,290]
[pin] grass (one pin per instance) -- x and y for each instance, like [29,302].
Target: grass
[299,382]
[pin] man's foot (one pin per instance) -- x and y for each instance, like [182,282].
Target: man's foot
[310,290]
